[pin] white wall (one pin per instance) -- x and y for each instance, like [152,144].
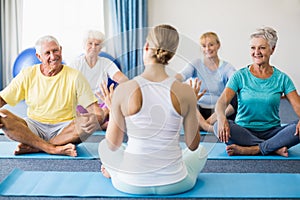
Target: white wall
[67,20]
[233,21]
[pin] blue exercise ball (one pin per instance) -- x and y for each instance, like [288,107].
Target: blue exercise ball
[25,59]
[106,55]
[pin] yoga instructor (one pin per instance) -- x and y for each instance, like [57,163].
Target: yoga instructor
[151,109]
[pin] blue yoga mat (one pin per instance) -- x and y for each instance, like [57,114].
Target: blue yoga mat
[99,133]
[104,132]
[217,151]
[89,150]
[95,133]
[93,184]
[84,151]
[181,132]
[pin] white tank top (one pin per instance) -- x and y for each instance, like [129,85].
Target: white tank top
[153,156]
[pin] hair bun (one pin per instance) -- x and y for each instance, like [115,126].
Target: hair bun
[161,55]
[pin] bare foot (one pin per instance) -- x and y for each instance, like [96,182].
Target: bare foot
[24,148]
[105,172]
[283,151]
[68,149]
[234,149]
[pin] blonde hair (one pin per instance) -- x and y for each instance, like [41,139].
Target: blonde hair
[210,35]
[267,33]
[163,41]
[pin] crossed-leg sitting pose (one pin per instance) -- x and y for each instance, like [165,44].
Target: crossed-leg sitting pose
[243,141]
[51,91]
[151,109]
[259,87]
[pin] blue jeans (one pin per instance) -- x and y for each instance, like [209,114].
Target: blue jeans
[268,141]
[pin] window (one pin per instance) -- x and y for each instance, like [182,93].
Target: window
[67,20]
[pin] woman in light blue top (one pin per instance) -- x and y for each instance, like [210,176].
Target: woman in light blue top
[259,87]
[214,74]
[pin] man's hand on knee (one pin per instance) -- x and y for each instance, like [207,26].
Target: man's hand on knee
[87,122]
[2,116]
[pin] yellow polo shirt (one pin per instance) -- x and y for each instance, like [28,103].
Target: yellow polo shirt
[49,99]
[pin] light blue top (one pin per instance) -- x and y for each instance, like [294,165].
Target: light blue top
[259,99]
[214,81]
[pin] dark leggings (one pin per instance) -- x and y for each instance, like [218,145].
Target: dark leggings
[268,141]
[207,112]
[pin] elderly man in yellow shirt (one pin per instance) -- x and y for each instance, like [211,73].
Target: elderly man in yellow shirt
[52,91]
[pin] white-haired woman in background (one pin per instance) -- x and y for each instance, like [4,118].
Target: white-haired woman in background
[95,68]
[259,87]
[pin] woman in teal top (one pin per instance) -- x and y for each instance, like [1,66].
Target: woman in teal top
[259,87]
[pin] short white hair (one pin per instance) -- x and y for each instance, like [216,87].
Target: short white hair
[40,41]
[93,34]
[267,33]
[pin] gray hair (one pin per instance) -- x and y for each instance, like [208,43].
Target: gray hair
[39,42]
[93,34]
[267,33]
